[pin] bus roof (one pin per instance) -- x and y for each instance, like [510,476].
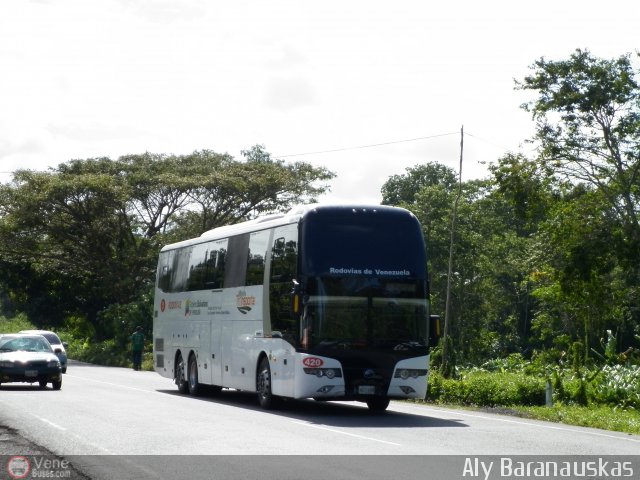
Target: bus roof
[273,220]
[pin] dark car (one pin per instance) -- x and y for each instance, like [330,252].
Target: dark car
[30,359]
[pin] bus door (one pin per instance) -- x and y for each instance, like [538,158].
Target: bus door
[215,352]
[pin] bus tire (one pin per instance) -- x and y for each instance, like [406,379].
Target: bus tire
[267,400]
[192,378]
[181,380]
[378,404]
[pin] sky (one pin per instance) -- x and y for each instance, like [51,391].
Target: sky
[366,89]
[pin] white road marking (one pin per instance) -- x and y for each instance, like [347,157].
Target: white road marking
[49,422]
[322,427]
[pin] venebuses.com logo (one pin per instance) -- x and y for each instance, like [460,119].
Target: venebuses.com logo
[20,466]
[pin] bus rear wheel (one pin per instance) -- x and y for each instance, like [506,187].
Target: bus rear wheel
[378,404]
[193,385]
[263,386]
[181,380]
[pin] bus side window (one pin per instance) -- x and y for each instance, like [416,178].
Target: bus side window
[235,273]
[164,270]
[197,267]
[215,269]
[257,256]
[284,254]
[215,259]
[277,260]
[180,270]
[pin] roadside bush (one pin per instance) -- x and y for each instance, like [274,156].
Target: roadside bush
[487,389]
[618,385]
[15,324]
[101,353]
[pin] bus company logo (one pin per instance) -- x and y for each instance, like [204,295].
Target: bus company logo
[18,467]
[174,305]
[244,302]
[312,362]
[193,307]
[163,305]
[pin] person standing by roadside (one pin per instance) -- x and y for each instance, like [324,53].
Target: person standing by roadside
[137,347]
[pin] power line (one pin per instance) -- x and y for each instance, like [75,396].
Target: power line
[366,146]
[372,145]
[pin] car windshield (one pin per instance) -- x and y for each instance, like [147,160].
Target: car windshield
[24,344]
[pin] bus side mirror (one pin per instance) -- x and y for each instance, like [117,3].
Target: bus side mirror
[296,299]
[296,302]
[435,330]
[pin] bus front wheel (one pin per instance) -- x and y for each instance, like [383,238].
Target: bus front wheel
[263,386]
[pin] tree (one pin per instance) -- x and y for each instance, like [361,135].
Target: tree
[587,114]
[487,273]
[588,126]
[402,189]
[82,239]
[69,244]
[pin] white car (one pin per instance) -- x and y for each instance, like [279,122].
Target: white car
[56,344]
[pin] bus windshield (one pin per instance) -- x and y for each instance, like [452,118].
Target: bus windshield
[364,279]
[357,312]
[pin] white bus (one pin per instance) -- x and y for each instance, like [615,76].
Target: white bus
[324,302]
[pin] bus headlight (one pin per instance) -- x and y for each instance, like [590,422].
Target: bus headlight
[405,373]
[330,373]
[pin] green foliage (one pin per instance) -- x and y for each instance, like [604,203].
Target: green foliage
[15,324]
[618,386]
[81,240]
[513,380]
[106,352]
[481,388]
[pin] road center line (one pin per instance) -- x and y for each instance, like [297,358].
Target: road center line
[322,427]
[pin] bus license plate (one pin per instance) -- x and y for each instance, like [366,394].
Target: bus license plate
[30,373]
[366,390]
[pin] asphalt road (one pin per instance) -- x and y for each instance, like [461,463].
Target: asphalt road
[119,423]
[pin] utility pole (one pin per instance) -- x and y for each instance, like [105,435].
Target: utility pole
[446,347]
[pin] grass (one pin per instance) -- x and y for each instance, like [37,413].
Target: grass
[597,416]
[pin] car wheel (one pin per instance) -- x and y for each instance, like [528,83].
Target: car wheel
[64,370]
[57,384]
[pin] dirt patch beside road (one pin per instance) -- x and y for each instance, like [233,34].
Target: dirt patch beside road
[17,450]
